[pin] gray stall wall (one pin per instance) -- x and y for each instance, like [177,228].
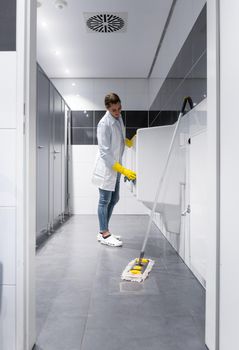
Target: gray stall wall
[52,189]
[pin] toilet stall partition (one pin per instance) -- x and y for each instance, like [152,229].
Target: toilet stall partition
[52,156]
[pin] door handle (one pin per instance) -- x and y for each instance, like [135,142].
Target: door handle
[40,147]
[56,152]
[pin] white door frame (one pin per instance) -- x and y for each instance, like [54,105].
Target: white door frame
[213,132]
[26,174]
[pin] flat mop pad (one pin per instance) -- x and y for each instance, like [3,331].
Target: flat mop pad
[137,272]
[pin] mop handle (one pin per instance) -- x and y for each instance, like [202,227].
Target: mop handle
[189,100]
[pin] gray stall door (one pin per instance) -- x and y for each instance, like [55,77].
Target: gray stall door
[67,158]
[43,137]
[64,160]
[58,144]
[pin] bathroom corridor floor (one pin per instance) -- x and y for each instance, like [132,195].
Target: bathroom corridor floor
[83,305]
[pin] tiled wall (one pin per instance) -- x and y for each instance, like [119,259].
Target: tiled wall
[184,16]
[8,174]
[84,124]
[187,76]
[7,237]
[85,195]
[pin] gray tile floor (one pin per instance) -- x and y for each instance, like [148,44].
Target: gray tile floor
[83,305]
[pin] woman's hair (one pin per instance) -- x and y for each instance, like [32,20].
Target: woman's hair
[111,99]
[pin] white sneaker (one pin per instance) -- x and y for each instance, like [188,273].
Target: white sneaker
[111,241]
[99,236]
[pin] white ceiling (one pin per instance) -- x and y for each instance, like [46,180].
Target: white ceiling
[67,49]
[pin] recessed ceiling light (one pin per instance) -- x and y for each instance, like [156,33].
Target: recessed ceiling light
[57,52]
[67,70]
[60,4]
[44,24]
[73,84]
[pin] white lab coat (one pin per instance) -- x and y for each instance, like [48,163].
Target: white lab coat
[111,140]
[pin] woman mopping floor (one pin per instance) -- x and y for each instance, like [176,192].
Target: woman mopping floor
[108,169]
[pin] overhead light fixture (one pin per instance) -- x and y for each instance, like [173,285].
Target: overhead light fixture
[60,4]
[73,84]
[67,71]
[44,24]
[57,52]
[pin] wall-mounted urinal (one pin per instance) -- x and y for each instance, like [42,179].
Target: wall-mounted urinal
[152,149]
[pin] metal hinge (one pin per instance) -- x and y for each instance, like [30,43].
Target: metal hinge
[187,211]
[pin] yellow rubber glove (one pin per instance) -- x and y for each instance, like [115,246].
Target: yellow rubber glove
[131,175]
[129,143]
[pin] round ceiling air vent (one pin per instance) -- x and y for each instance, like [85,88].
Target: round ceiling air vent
[105,23]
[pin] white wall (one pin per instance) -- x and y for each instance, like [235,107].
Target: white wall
[8,203]
[17,248]
[229,175]
[88,94]
[183,18]
[213,174]
[85,195]
[8,199]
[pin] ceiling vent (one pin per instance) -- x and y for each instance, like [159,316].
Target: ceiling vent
[107,22]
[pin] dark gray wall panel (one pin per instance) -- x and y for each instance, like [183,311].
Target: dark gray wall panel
[82,119]
[159,118]
[188,74]
[84,129]
[82,136]
[136,119]
[7,25]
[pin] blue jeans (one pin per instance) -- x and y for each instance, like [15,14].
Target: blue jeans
[107,201]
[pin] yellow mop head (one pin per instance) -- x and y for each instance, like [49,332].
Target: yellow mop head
[137,270]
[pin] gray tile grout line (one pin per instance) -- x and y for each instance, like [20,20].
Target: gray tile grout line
[91,294]
[92,288]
